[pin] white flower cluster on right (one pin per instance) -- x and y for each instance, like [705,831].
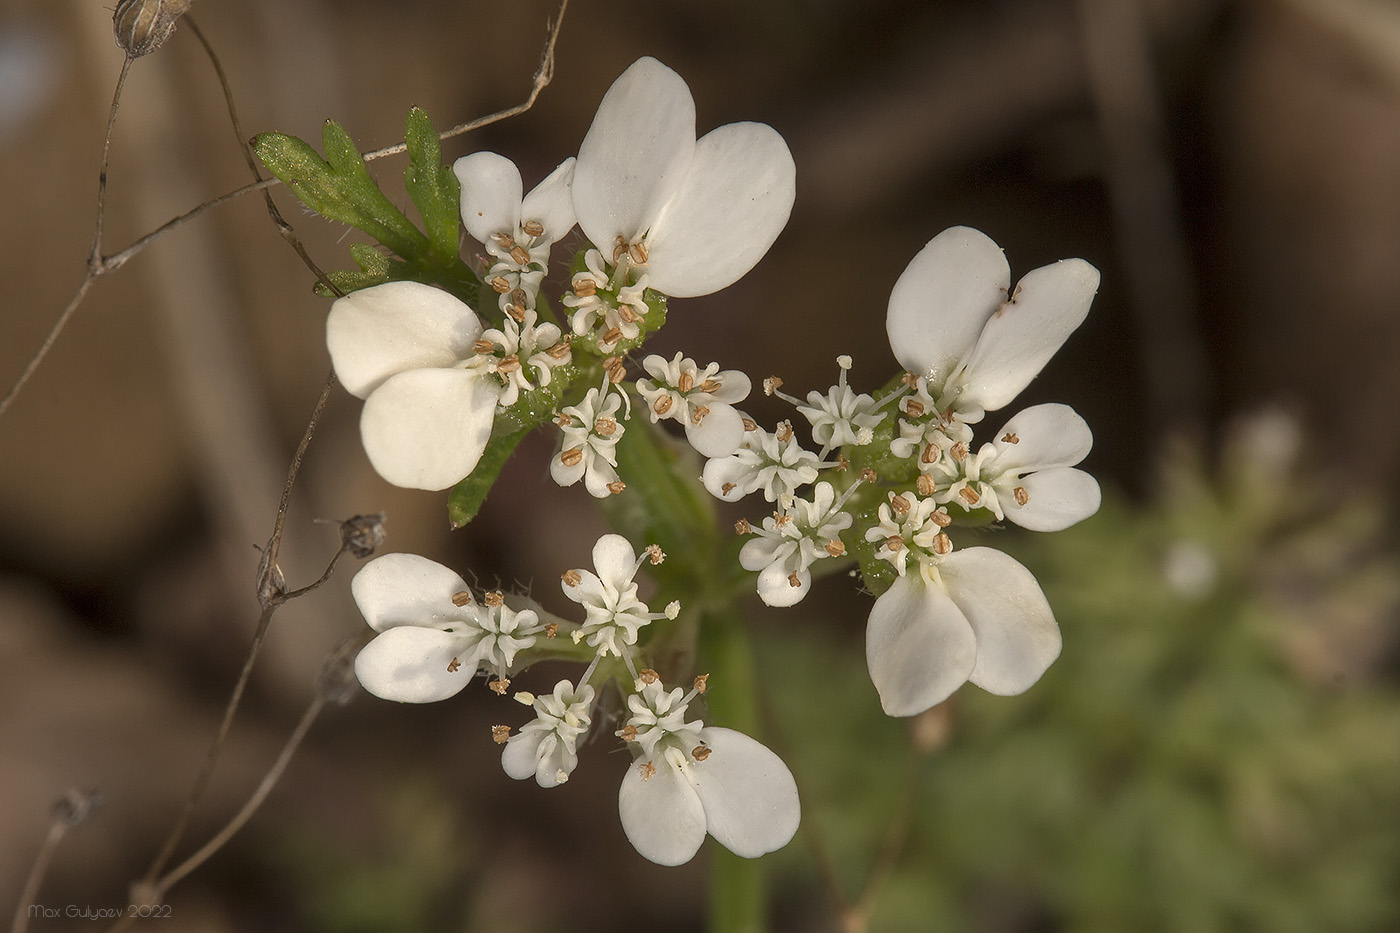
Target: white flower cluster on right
[901,471]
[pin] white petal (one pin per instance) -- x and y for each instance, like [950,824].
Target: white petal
[427,428]
[718,434]
[377,332]
[726,471]
[520,757]
[566,475]
[776,589]
[943,299]
[404,589]
[661,815]
[409,664]
[1050,435]
[615,559]
[1049,303]
[551,203]
[758,553]
[1017,638]
[749,795]
[491,190]
[734,387]
[635,153]
[918,645]
[1059,498]
[734,202]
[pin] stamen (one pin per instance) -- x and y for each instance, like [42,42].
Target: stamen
[835,548]
[605,426]
[926,485]
[1022,497]
[585,288]
[572,457]
[518,296]
[521,257]
[551,630]
[464,598]
[484,346]
[700,752]
[959,451]
[560,349]
[500,686]
[505,240]
[662,404]
[654,554]
[750,425]
[894,543]
[700,683]
[495,599]
[616,368]
[793,580]
[900,505]
[508,364]
[619,248]
[710,385]
[499,734]
[517,312]
[454,666]
[942,544]
[611,335]
[639,254]
[742,526]
[909,379]
[532,228]
[913,408]
[941,518]
[699,412]
[930,454]
[564,420]
[1010,438]
[648,770]
[842,463]
[784,432]
[616,487]
[969,495]
[771,385]
[726,488]
[628,733]
[686,382]
[869,475]
[627,314]
[501,284]
[648,676]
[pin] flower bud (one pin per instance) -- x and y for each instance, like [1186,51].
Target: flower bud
[142,26]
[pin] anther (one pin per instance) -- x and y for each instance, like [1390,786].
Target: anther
[499,734]
[869,475]
[909,379]
[750,425]
[564,420]
[842,463]
[930,454]
[616,487]
[784,432]
[551,630]
[619,248]
[611,335]
[900,505]
[662,404]
[517,312]
[781,520]
[710,385]
[969,495]
[1022,497]
[605,426]
[521,257]
[532,228]
[559,350]
[572,578]
[925,485]
[648,770]
[627,314]
[700,752]
[500,686]
[585,288]
[726,488]
[495,599]
[648,676]
[686,382]
[771,385]
[1010,438]
[701,682]
[571,457]
[464,598]
[941,518]
[508,364]
[894,543]
[505,240]
[628,733]
[454,666]
[742,526]
[699,412]
[501,284]
[654,554]
[484,346]
[959,451]
[835,548]
[942,544]
[518,296]
[793,580]
[913,407]
[639,254]
[616,368]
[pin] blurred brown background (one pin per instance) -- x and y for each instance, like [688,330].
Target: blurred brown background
[1230,166]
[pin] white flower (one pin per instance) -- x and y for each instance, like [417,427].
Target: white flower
[594,295]
[546,748]
[520,353]
[433,635]
[775,463]
[1026,474]
[696,214]
[970,615]
[841,417]
[701,400]
[951,324]
[689,780]
[788,545]
[517,232]
[405,348]
[588,450]
[609,597]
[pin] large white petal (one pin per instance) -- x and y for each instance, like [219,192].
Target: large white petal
[635,154]
[1058,498]
[409,664]
[943,299]
[734,202]
[551,203]
[1049,303]
[395,327]
[615,559]
[1041,437]
[406,589]
[427,428]
[521,756]
[749,795]
[491,192]
[727,471]
[718,434]
[775,585]
[918,645]
[661,815]
[1017,638]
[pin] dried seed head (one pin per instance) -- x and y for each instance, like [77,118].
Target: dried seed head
[142,26]
[532,228]
[362,535]
[499,734]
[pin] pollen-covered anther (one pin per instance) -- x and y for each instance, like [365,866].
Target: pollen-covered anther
[647,769]
[1022,497]
[925,485]
[484,346]
[701,683]
[532,228]
[894,543]
[959,452]
[616,368]
[571,457]
[518,296]
[771,385]
[750,425]
[495,599]
[551,630]
[559,350]
[571,578]
[686,382]
[662,404]
[711,385]
[499,734]
[794,580]
[942,544]
[655,554]
[869,475]
[585,288]
[781,519]
[700,752]
[726,488]
[900,505]
[619,248]
[611,335]
[930,454]
[784,432]
[464,598]
[627,314]
[842,463]
[835,548]
[500,686]
[648,676]
[913,407]
[628,733]
[969,495]
[607,427]
[638,252]
[941,518]
[742,526]
[454,665]
[564,420]
[517,312]
[616,487]
[508,364]
[699,412]
[505,240]
[909,379]
[501,284]
[521,257]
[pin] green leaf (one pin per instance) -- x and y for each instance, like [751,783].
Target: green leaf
[433,187]
[339,186]
[465,499]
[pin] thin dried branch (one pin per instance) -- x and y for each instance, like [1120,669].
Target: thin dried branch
[72,809]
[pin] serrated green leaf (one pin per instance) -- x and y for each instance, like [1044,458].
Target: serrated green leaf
[465,499]
[433,187]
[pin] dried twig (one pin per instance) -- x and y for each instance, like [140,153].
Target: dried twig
[68,811]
